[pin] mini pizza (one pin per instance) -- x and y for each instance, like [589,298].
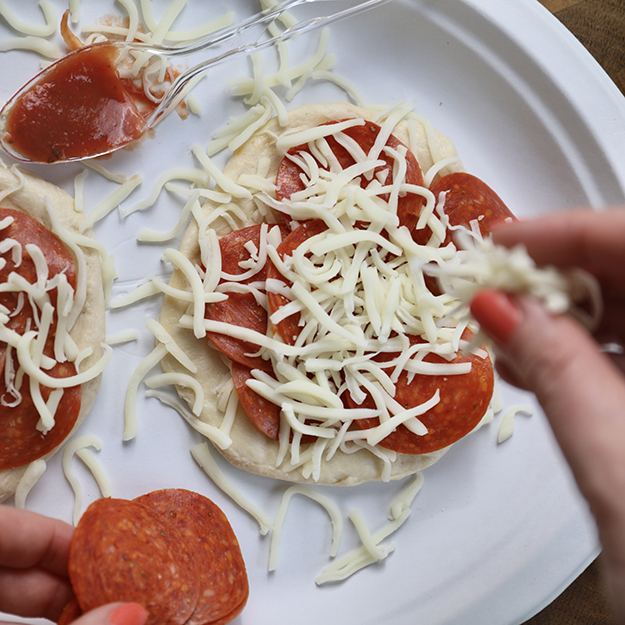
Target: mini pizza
[51,322]
[173,551]
[310,296]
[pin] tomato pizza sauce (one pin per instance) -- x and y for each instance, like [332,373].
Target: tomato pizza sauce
[79,107]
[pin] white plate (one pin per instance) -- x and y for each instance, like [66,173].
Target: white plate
[497,531]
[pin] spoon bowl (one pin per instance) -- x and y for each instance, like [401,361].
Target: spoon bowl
[103,113]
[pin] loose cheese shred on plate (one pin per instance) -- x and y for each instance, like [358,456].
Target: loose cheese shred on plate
[89,459]
[188,174]
[71,448]
[202,455]
[336,518]
[136,378]
[125,336]
[147,235]
[104,172]
[182,380]
[74,10]
[234,129]
[133,18]
[143,291]
[507,419]
[355,560]
[27,482]
[79,191]
[213,434]
[43,47]
[26,28]
[225,183]
[112,201]
[375,551]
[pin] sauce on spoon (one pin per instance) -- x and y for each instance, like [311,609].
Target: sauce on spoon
[78,108]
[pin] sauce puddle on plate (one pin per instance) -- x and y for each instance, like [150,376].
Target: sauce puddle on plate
[80,107]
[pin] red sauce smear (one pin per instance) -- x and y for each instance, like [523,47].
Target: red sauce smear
[79,107]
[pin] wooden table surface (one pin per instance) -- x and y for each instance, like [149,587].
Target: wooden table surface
[600,26]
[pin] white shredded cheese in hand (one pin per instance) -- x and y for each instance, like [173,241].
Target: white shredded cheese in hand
[481,264]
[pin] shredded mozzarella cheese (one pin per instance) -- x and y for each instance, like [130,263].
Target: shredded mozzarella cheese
[213,434]
[355,560]
[326,503]
[202,455]
[72,448]
[28,481]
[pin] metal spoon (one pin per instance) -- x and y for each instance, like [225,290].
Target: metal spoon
[181,86]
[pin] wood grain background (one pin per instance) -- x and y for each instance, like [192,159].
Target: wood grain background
[600,26]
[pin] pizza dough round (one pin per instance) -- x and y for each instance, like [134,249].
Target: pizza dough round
[32,197]
[251,450]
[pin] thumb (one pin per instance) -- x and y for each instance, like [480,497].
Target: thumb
[579,388]
[113,614]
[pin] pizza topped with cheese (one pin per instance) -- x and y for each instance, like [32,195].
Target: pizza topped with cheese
[51,322]
[311,297]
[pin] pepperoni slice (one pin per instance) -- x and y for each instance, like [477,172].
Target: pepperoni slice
[20,441]
[262,414]
[206,533]
[288,180]
[125,551]
[468,198]
[289,328]
[24,230]
[464,400]
[70,613]
[239,309]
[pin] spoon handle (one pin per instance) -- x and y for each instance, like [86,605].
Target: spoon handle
[258,19]
[186,81]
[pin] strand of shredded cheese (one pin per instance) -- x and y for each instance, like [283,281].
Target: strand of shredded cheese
[27,482]
[507,419]
[326,503]
[202,455]
[71,448]
[360,557]
[112,201]
[142,369]
[213,434]
[126,336]
[35,30]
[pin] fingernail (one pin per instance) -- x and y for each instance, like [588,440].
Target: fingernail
[129,614]
[497,314]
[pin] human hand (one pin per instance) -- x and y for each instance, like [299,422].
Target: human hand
[581,389]
[33,572]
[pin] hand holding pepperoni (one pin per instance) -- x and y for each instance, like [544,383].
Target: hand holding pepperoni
[581,388]
[33,573]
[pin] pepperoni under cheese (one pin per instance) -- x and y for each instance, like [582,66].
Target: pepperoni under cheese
[51,323]
[38,259]
[337,338]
